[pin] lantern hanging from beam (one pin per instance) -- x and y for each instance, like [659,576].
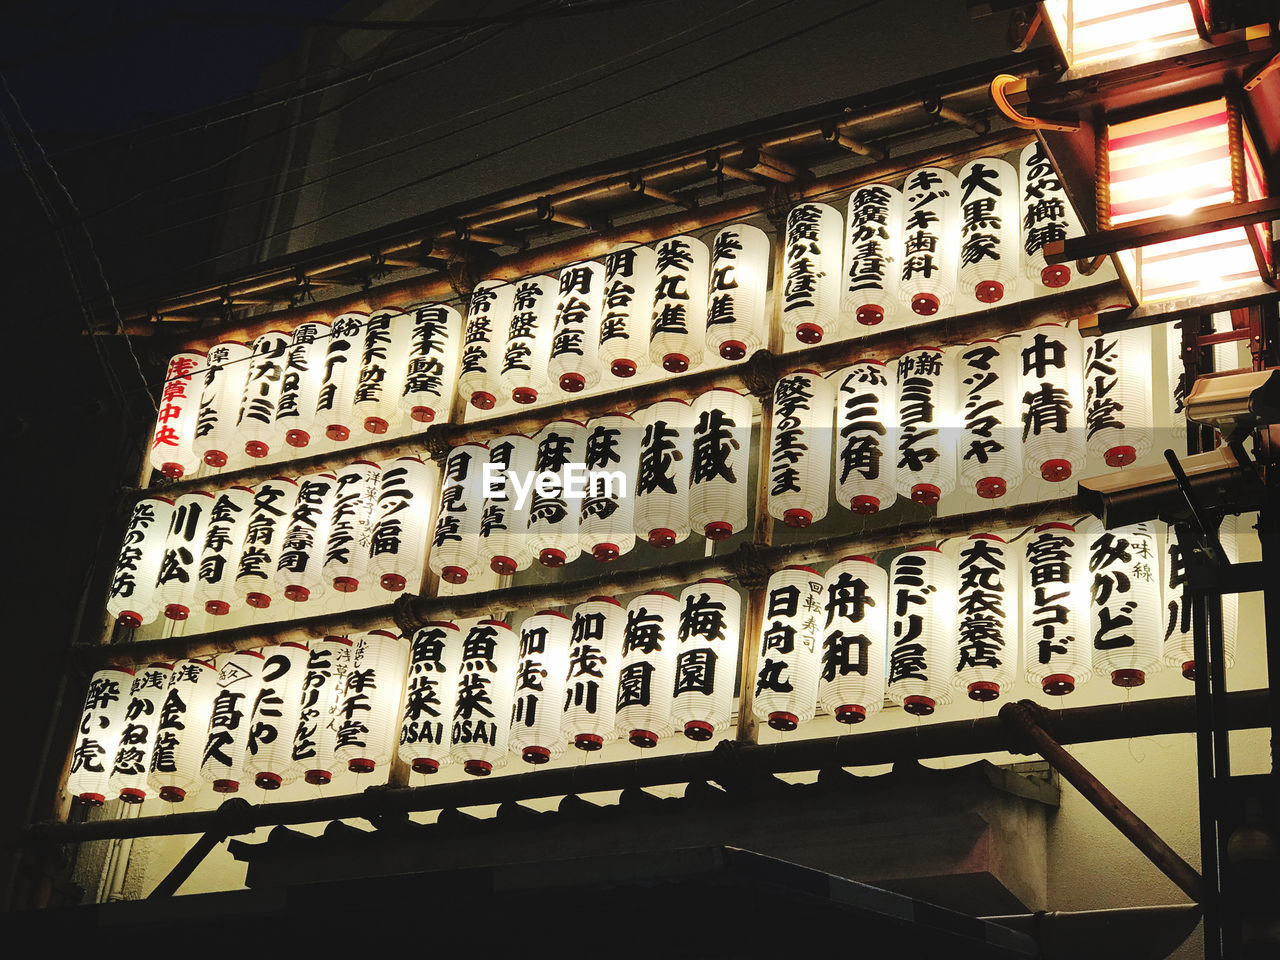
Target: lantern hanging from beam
[399,535]
[346,552]
[183,721]
[214,439]
[220,550]
[646,675]
[927,418]
[1051,384]
[1056,653]
[591,690]
[540,687]
[662,475]
[611,453]
[930,240]
[277,709]
[334,404]
[1118,415]
[172,443]
[102,720]
[435,654]
[1125,602]
[328,663]
[138,735]
[800,443]
[989,256]
[1047,216]
[811,272]
[736,319]
[132,599]
[527,353]
[1179,646]
[852,676]
[431,364]
[256,420]
[504,523]
[456,543]
[369,708]
[179,565]
[299,569]
[273,503]
[786,692]
[239,680]
[990,454]
[381,377]
[300,388]
[480,365]
[1091,32]
[922,635]
[872,247]
[986,602]
[720,454]
[575,328]
[630,275]
[866,450]
[486,684]
[678,326]
[706,659]
[553,513]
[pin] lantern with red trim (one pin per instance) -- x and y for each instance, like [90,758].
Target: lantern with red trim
[1047,215]
[811,272]
[736,320]
[922,645]
[1056,652]
[239,680]
[647,669]
[925,402]
[256,420]
[368,712]
[930,240]
[553,513]
[300,389]
[486,686]
[611,452]
[790,637]
[987,644]
[273,503]
[435,655]
[398,537]
[989,255]
[866,454]
[678,326]
[1049,380]
[591,685]
[575,329]
[1118,416]
[872,246]
[851,682]
[138,735]
[431,362]
[179,565]
[334,403]
[456,544]
[480,365]
[662,474]
[540,687]
[1126,609]
[528,346]
[98,737]
[181,727]
[629,279]
[276,712]
[1179,646]
[172,443]
[990,453]
[220,550]
[384,354]
[132,599]
[300,567]
[346,552]
[504,523]
[720,453]
[800,444]
[706,659]
[328,663]
[214,440]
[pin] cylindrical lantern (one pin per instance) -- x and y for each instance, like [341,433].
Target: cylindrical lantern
[678,327]
[132,599]
[866,450]
[1047,216]
[239,680]
[800,444]
[228,367]
[346,552]
[432,362]
[276,712]
[553,513]
[179,565]
[1056,655]
[873,243]
[334,410]
[181,730]
[595,654]
[482,711]
[328,663]
[922,635]
[138,735]
[540,687]
[303,374]
[1179,645]
[434,657]
[925,401]
[504,525]
[811,271]
[1125,603]
[706,659]
[456,543]
[787,676]
[102,720]
[1179,384]
[369,707]
[256,420]
[528,347]
[736,319]
[383,356]
[1049,380]
[479,368]
[930,240]
[1118,415]
[662,474]
[854,639]
[629,280]
[986,612]
[575,328]
[398,536]
[721,454]
[273,503]
[611,453]
[300,567]
[220,552]
[172,444]
[646,674]
[990,454]
[989,232]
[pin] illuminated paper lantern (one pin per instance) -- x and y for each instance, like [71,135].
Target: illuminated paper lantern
[710,625]
[1118,416]
[1126,613]
[527,353]
[1090,32]
[304,366]
[1179,385]
[368,711]
[239,680]
[346,551]
[575,329]
[987,610]
[432,362]
[611,453]
[854,632]
[553,513]
[990,454]
[811,271]
[662,474]
[718,471]
[591,686]
[866,451]
[930,240]
[398,536]
[435,654]
[872,246]
[540,687]
[138,734]
[922,634]
[132,599]
[300,568]
[925,403]
[790,637]
[736,319]
[1051,383]
[678,326]
[335,411]
[486,685]
[504,524]
[172,443]
[256,420]
[276,711]
[179,564]
[273,503]
[456,543]
[214,439]
[647,669]
[1047,216]
[328,663]
[102,720]
[220,551]
[1179,645]
[1056,654]
[989,212]
[479,378]
[800,444]
[174,769]
[384,354]
[629,280]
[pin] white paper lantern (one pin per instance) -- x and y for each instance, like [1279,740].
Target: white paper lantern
[380,382]
[811,280]
[1179,385]
[930,240]
[180,563]
[346,552]
[456,543]
[591,690]
[922,634]
[527,353]
[678,326]
[479,368]
[1179,640]
[540,687]
[132,599]
[790,657]
[989,235]
[990,454]
[401,521]
[1047,215]
[646,674]
[1049,380]
[925,402]
[872,246]
[300,390]
[504,525]
[368,714]
[575,330]
[181,730]
[987,612]
[220,551]
[432,362]
[800,445]
[435,654]
[709,629]
[276,711]
[1056,653]
[273,503]
[256,420]
[328,663]
[214,440]
[482,711]
[721,455]
[1126,613]
[611,453]
[172,443]
[300,567]
[866,452]
[553,513]
[334,403]
[737,324]
[1118,416]
[138,735]
[854,639]
[98,735]
[629,281]
[661,492]
[239,679]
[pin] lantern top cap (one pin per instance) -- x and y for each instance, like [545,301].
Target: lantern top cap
[447,624]
[496,623]
[168,500]
[383,633]
[128,670]
[605,416]
[930,549]
[576,423]
[365,463]
[251,653]
[858,556]
[988,536]
[868,360]
[727,390]
[796,566]
[336,639]
[160,665]
[603,599]
[239,486]
[419,459]
[811,372]
[295,644]
[658,593]
[670,400]
[1056,525]
[284,479]
[712,580]
[552,613]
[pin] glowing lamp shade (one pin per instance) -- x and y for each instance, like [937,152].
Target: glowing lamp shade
[1126,614]
[273,503]
[810,293]
[213,442]
[990,454]
[346,552]
[227,740]
[627,308]
[1047,216]
[138,735]
[930,241]
[852,677]
[989,257]
[790,640]
[300,567]
[480,364]
[866,450]
[800,442]
[647,670]
[276,712]
[922,630]
[300,389]
[1179,646]
[401,521]
[431,363]
[591,684]
[335,413]
[1056,654]
[174,770]
[872,246]
[380,381]
[368,714]
[1118,416]
[553,513]
[539,687]
[504,535]
[172,443]
[328,663]
[720,451]
[219,561]
[256,420]
[925,404]
[178,575]
[736,324]
[1052,402]
[482,711]
[132,599]
[706,659]
[102,720]
[435,653]
[986,615]
[1089,32]
[456,543]
[662,476]
[575,328]
[611,452]
[526,356]
[678,324]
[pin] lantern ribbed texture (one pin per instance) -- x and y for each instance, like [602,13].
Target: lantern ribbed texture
[855,628]
[1118,417]
[328,663]
[591,691]
[431,363]
[790,656]
[300,567]
[575,330]
[1047,215]
[990,454]
[629,280]
[1126,614]
[736,321]
[505,546]
[172,443]
[987,615]
[927,421]
[1052,401]
[922,630]
[646,675]
[1179,646]
[383,357]
[239,680]
[485,336]
[611,450]
[526,356]
[300,390]
[179,565]
[989,235]
[128,778]
[800,445]
[401,521]
[435,654]
[553,514]
[1056,653]
[368,714]
[720,460]
[710,627]
[276,712]
[214,441]
[930,241]
[256,419]
[181,730]
[220,550]
[678,325]
[334,403]
[661,493]
[811,286]
[131,598]
[455,544]
[346,552]
[102,720]
[482,711]
[872,248]
[866,448]
[273,502]
[540,687]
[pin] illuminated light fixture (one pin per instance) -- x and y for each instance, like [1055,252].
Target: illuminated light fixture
[456,543]
[300,383]
[176,578]
[851,684]
[1118,416]
[299,568]
[788,661]
[553,513]
[662,474]
[575,329]
[1125,602]
[432,362]
[276,712]
[678,325]
[180,731]
[1089,32]
[990,454]
[504,521]
[482,711]
[989,233]
[220,395]
[98,738]
[434,657]
[346,552]
[273,503]
[132,599]
[721,453]
[528,351]
[398,541]
[384,354]
[710,617]
[479,383]
[811,271]
[866,453]
[647,673]
[986,614]
[239,680]
[925,403]
[220,551]
[922,630]
[736,324]
[255,422]
[540,687]
[172,452]
[800,448]
[930,251]
[628,305]
[606,525]
[591,691]
[1056,653]
[138,734]
[335,403]
[872,246]
[1050,381]
[369,709]
[328,663]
